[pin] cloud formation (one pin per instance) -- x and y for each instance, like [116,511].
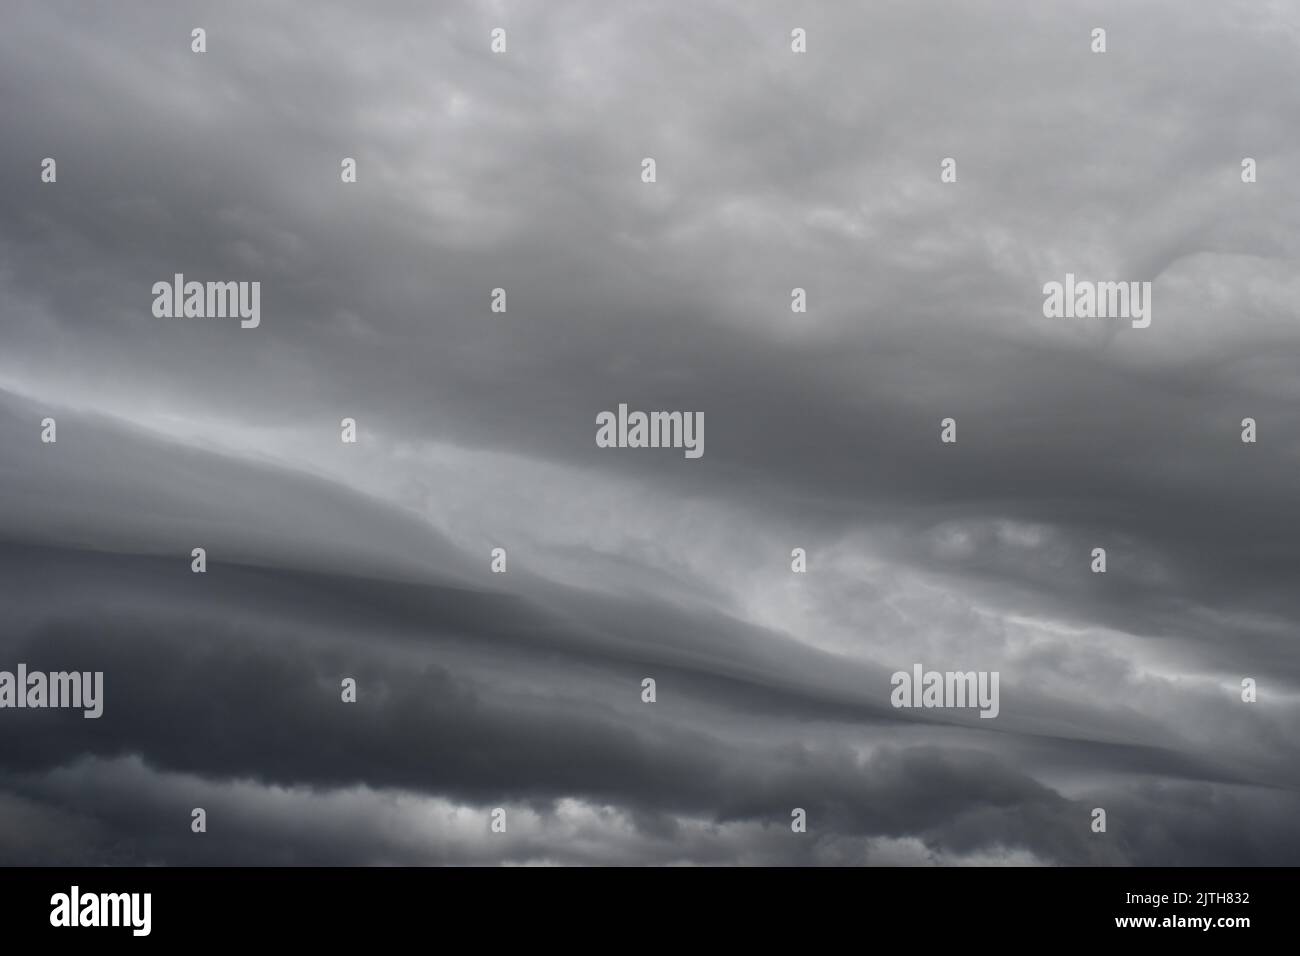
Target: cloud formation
[522,690]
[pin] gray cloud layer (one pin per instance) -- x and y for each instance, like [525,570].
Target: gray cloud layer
[522,690]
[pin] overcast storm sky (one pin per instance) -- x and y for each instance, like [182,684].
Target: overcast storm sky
[522,690]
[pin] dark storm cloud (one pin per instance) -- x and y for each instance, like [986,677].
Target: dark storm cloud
[775,171]
[460,695]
